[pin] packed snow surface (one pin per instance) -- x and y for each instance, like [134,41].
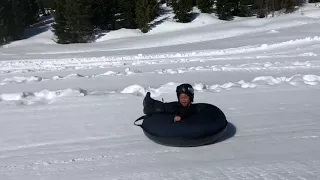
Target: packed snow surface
[67,111]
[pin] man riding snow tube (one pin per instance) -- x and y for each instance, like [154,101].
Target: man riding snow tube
[182,123]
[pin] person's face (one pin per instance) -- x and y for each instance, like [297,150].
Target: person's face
[184,99]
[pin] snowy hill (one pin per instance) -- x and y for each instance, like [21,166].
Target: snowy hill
[67,111]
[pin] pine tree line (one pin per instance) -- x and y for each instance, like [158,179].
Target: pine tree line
[265,7]
[227,9]
[77,21]
[15,16]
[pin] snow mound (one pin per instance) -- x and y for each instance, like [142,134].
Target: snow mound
[308,54]
[200,87]
[18,79]
[166,71]
[141,91]
[204,19]
[162,24]
[313,13]
[268,80]
[44,38]
[118,34]
[167,24]
[135,89]
[128,71]
[291,42]
[165,88]
[70,76]
[74,76]
[311,79]
[273,31]
[293,80]
[298,63]
[57,77]
[44,96]
[245,85]
[108,73]
[266,66]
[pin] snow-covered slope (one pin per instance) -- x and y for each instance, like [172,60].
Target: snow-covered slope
[67,111]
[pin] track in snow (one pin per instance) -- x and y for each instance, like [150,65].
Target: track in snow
[24,66]
[47,96]
[69,115]
[262,148]
[248,67]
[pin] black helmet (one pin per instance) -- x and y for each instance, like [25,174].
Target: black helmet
[187,89]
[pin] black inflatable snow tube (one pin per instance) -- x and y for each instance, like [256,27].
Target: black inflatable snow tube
[205,127]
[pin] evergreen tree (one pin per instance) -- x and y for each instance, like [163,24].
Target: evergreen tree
[19,9]
[194,3]
[170,2]
[73,21]
[302,2]
[154,9]
[4,36]
[26,12]
[261,7]
[265,7]
[59,27]
[115,14]
[128,15]
[48,3]
[13,30]
[32,11]
[289,5]
[3,26]
[11,27]
[242,8]
[182,9]
[41,7]
[224,9]
[78,15]
[206,6]
[102,14]
[145,13]
[23,13]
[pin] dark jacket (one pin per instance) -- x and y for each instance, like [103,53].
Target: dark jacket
[151,106]
[178,109]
